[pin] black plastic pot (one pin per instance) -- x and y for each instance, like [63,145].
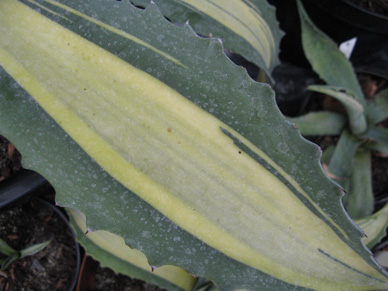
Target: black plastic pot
[20,186]
[20,189]
[354,20]
[290,86]
[75,243]
[291,50]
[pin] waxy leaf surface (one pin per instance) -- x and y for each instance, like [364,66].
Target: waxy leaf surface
[174,148]
[111,251]
[248,28]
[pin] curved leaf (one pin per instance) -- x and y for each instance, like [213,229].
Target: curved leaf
[378,138]
[327,154]
[320,123]
[32,250]
[378,108]
[381,147]
[326,59]
[259,204]
[248,28]
[375,226]
[6,249]
[341,161]
[9,260]
[354,109]
[111,251]
[359,199]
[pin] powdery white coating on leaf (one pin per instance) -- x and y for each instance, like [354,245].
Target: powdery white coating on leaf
[248,28]
[229,105]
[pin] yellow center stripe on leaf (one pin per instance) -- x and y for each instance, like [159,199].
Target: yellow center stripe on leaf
[116,31]
[242,19]
[295,185]
[174,155]
[48,10]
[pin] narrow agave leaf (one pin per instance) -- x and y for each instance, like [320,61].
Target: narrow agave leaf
[248,28]
[377,109]
[326,59]
[111,251]
[257,211]
[375,226]
[378,138]
[6,249]
[319,123]
[341,161]
[354,109]
[359,199]
[34,249]
[327,154]
[381,147]
[9,260]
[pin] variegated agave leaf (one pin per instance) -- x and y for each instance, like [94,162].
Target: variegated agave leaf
[112,252]
[229,190]
[248,28]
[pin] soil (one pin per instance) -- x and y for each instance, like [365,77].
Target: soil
[10,159]
[97,278]
[53,267]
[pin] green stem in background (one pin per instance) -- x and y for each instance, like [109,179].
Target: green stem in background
[354,109]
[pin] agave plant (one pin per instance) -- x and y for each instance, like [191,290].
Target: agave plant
[349,162]
[156,136]
[12,255]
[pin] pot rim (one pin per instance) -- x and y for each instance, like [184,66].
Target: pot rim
[24,184]
[347,11]
[76,245]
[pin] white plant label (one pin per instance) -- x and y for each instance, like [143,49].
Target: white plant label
[347,46]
